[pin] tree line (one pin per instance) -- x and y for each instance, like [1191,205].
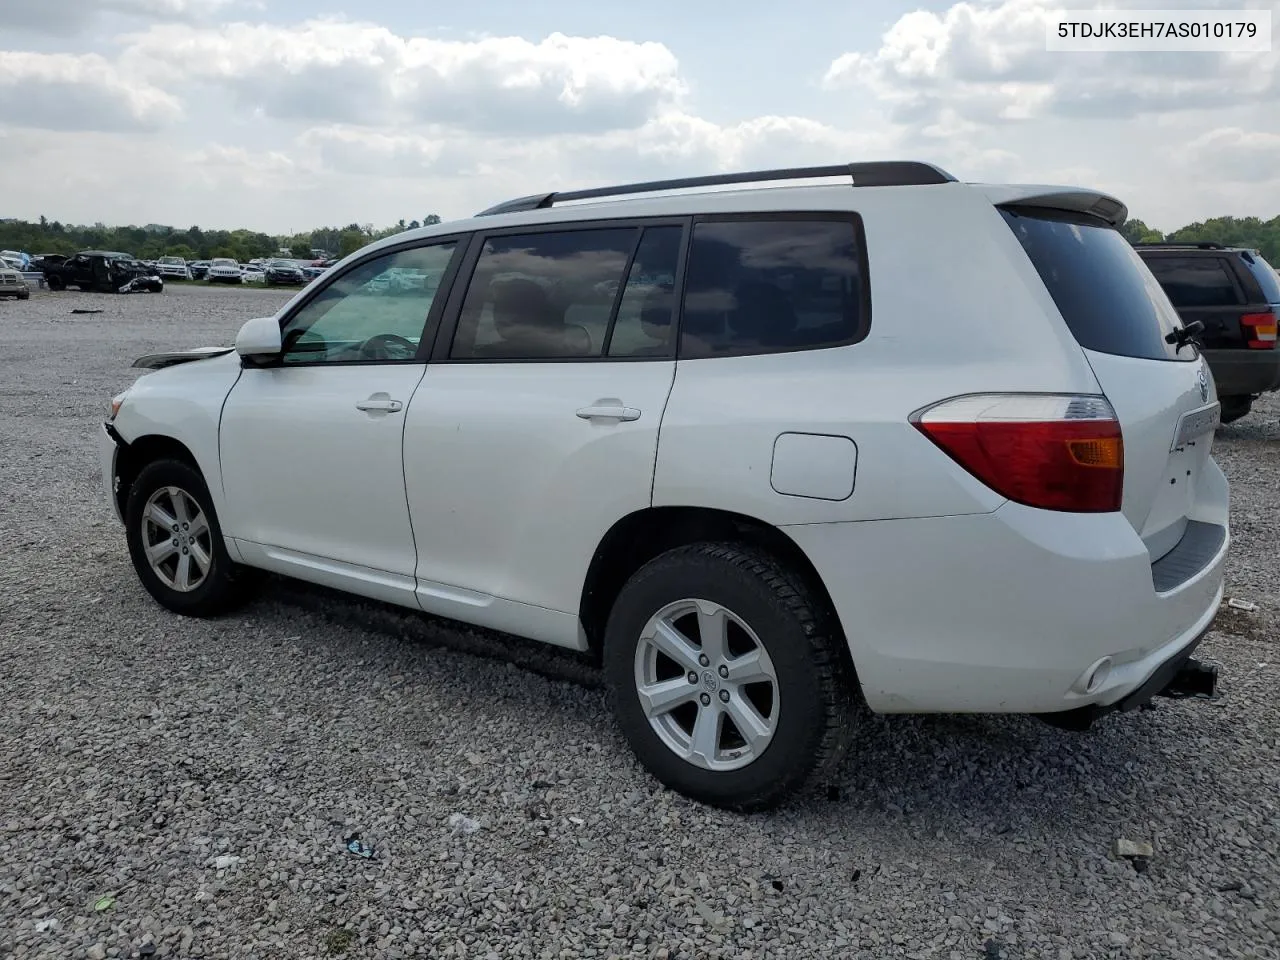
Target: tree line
[194,243]
[154,240]
[1253,232]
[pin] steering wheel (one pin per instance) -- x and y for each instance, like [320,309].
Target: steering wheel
[377,347]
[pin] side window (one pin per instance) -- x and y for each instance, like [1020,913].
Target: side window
[644,325]
[771,285]
[375,311]
[543,295]
[1196,281]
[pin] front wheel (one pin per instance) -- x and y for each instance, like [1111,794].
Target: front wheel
[176,544]
[55,283]
[727,676]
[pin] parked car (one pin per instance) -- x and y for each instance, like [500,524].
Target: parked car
[252,273]
[940,447]
[173,268]
[199,269]
[225,270]
[285,273]
[15,260]
[39,263]
[1235,295]
[13,284]
[105,271]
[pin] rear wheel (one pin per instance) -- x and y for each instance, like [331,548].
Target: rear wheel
[1233,408]
[727,676]
[176,544]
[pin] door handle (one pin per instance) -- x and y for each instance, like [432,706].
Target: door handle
[609,410]
[380,405]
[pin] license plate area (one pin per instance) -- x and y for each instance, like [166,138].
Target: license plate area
[1195,424]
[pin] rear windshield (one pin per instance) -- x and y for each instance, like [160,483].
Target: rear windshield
[1267,279]
[1103,290]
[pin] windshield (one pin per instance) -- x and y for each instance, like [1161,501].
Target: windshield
[222,262]
[171,260]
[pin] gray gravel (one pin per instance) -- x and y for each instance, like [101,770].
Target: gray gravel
[198,781]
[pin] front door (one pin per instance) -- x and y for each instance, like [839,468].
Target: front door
[311,446]
[537,430]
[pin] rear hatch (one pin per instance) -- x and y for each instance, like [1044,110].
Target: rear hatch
[1226,290]
[1163,396]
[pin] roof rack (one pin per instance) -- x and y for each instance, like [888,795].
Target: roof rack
[885,173]
[1183,244]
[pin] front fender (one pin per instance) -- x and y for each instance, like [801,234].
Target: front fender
[184,403]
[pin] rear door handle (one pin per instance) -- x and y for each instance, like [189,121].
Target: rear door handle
[609,410]
[380,404]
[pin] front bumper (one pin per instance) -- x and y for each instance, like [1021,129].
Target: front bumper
[109,444]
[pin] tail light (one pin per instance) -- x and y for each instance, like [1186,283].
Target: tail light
[1259,330]
[1048,451]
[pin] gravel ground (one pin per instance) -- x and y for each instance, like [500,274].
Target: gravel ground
[187,788]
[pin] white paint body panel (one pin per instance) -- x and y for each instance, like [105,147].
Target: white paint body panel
[510,490]
[307,472]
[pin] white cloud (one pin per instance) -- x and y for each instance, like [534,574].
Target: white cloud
[986,62]
[64,17]
[78,92]
[1245,156]
[361,73]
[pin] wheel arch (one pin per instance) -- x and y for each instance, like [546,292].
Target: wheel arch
[134,455]
[645,534]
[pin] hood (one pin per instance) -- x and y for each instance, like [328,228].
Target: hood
[158,361]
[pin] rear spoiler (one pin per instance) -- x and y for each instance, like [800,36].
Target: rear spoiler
[158,361]
[1071,199]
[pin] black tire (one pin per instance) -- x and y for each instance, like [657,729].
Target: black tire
[224,583]
[816,686]
[1233,408]
[55,284]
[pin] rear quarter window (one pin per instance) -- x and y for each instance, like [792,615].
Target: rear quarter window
[1194,282]
[1107,296]
[774,283]
[1267,279]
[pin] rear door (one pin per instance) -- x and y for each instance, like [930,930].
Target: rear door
[535,428]
[1203,287]
[1162,395]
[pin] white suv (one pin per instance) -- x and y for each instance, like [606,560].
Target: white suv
[766,452]
[171,268]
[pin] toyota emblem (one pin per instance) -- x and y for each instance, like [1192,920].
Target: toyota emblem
[1204,385]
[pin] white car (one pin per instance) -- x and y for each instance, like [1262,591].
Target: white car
[170,268]
[934,446]
[252,273]
[225,270]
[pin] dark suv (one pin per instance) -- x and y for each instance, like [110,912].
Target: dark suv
[1235,293]
[105,271]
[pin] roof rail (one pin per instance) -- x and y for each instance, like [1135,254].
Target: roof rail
[1184,244]
[883,173]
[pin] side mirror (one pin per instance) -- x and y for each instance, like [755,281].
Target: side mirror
[259,338]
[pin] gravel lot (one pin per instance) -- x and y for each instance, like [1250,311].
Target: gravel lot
[191,785]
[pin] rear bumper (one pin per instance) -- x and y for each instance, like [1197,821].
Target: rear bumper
[1014,611]
[1239,373]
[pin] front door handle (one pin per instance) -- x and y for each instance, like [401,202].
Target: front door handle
[380,403]
[609,410]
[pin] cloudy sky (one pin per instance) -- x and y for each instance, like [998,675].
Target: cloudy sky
[281,115]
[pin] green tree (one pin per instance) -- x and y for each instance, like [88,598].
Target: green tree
[1135,231]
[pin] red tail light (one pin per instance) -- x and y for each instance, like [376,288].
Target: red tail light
[1259,330]
[1046,451]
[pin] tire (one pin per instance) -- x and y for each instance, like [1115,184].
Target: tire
[222,584]
[809,698]
[1233,408]
[55,284]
